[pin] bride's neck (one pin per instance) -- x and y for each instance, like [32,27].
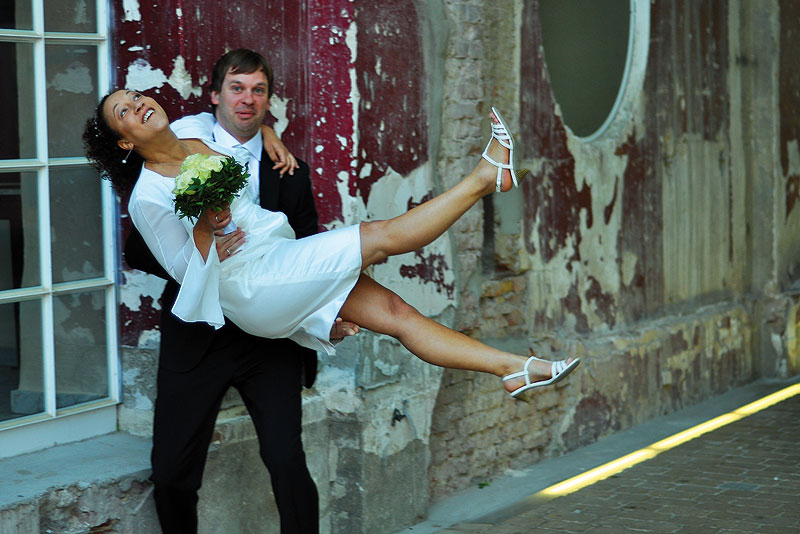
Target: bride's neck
[166,157]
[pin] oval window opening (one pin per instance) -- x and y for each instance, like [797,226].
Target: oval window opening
[587,48]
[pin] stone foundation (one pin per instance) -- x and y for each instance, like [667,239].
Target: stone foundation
[625,378]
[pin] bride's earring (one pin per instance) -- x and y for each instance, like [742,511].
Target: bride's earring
[125,159]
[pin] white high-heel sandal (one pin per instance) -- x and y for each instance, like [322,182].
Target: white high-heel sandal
[504,137]
[558,369]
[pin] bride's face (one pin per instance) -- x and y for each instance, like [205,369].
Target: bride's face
[133,116]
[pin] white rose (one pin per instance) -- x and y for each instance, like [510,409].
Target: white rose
[182,181]
[212,163]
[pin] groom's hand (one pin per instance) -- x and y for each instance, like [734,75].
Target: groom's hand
[342,329]
[228,244]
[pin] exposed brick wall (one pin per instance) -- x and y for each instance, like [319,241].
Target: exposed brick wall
[478,432]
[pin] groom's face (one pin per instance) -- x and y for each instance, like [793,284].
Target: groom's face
[242,102]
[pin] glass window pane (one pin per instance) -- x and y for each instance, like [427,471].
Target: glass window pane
[71,96]
[81,348]
[16,14]
[585,47]
[76,224]
[18,132]
[19,230]
[21,376]
[70,16]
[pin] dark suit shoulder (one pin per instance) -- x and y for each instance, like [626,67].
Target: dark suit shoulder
[301,175]
[299,182]
[290,194]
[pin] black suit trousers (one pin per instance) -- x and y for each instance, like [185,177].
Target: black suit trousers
[267,375]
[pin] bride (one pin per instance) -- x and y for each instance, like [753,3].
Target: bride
[277,286]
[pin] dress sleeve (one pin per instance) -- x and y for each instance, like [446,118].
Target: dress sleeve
[166,236]
[171,242]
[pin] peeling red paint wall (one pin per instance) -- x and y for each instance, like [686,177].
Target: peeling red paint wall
[199,32]
[789,79]
[789,97]
[329,149]
[307,45]
[680,194]
[390,75]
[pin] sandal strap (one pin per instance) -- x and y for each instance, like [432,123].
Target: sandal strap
[524,373]
[502,135]
[556,368]
[500,166]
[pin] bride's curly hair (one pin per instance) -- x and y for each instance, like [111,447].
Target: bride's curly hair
[100,142]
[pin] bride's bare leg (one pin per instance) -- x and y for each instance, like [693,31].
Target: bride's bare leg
[424,223]
[376,308]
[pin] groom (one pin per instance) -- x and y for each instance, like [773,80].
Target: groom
[197,365]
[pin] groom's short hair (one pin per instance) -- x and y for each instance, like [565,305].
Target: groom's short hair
[241,60]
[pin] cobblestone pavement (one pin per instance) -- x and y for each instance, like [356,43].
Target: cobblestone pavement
[741,478]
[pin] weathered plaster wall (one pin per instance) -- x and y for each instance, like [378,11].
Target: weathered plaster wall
[654,251]
[120,506]
[662,253]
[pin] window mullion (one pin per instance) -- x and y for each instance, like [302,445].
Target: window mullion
[48,356]
[43,194]
[111,268]
[37,12]
[110,215]
[48,331]
[103,84]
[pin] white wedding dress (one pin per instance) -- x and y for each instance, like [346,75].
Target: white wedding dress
[274,287]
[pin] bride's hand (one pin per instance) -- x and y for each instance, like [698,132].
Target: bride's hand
[283,159]
[208,223]
[212,220]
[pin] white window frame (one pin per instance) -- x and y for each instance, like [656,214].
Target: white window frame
[54,425]
[635,66]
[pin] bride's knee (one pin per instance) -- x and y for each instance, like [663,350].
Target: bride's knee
[373,242]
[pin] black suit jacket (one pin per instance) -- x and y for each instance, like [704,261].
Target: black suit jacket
[184,344]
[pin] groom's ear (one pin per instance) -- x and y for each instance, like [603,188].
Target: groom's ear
[215,97]
[124,144]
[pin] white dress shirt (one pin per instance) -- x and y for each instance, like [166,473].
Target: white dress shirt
[253,147]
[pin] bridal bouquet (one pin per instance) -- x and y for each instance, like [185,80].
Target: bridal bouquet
[207,182]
